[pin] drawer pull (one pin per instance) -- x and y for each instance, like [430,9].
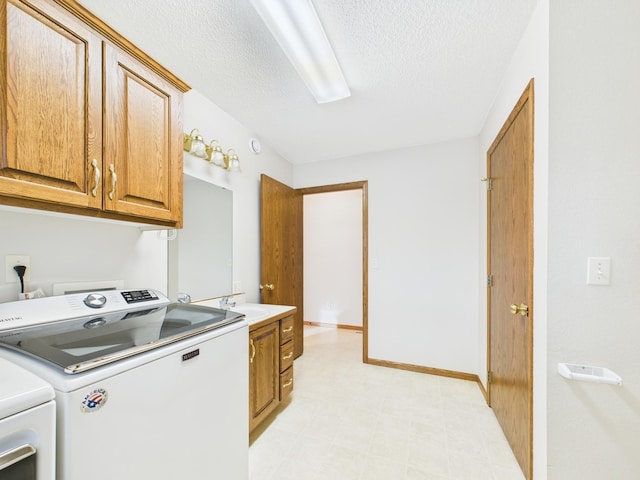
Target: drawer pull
[253,350]
[288,384]
[288,329]
[288,356]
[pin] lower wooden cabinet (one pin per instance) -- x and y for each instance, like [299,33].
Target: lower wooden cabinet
[264,378]
[270,367]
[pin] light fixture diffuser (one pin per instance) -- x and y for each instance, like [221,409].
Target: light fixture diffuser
[297,28]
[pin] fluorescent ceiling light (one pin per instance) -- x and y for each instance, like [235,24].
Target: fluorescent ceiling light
[297,28]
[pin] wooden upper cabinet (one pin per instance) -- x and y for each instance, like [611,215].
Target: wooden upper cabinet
[92,125]
[142,140]
[51,105]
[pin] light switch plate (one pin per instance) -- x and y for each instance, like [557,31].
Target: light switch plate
[598,271]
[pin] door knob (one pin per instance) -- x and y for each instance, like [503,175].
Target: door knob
[268,286]
[522,309]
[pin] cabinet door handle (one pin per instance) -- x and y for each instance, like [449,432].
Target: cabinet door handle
[288,384]
[253,350]
[288,329]
[114,181]
[288,356]
[96,177]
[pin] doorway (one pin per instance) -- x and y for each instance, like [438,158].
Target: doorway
[332,313]
[281,255]
[332,259]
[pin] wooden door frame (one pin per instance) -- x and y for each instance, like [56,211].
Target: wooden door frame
[526,96]
[341,187]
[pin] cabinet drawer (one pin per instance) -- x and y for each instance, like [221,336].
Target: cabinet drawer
[286,330]
[286,382]
[286,356]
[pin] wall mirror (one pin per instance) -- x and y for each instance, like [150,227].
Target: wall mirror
[201,256]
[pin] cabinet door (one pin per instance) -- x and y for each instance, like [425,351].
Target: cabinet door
[50,105]
[142,140]
[264,372]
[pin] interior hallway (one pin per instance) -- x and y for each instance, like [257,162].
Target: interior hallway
[351,421]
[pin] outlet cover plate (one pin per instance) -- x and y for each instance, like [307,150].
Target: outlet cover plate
[11,276]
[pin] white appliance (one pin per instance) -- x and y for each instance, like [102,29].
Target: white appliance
[27,425]
[144,388]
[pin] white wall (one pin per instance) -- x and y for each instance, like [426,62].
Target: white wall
[423,254]
[333,258]
[214,123]
[65,248]
[594,194]
[530,60]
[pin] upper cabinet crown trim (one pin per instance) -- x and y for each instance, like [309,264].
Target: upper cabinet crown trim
[117,39]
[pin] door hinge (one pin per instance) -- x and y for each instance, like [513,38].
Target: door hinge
[489,280]
[489,181]
[489,377]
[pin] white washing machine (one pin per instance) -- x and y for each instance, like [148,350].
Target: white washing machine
[144,388]
[27,425]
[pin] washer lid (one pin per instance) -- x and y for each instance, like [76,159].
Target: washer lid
[21,389]
[87,342]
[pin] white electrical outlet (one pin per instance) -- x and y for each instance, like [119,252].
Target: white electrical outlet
[237,286]
[10,261]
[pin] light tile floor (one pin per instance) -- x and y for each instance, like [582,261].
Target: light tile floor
[351,421]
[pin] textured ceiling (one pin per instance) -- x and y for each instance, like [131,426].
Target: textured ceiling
[420,71]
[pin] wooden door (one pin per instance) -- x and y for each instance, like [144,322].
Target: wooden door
[281,250]
[50,105]
[143,140]
[510,264]
[264,372]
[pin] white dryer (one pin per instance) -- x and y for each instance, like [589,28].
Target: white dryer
[27,425]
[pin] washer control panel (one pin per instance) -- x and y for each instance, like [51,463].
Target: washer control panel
[75,305]
[136,296]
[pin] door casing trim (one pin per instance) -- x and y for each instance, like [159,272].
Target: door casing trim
[341,187]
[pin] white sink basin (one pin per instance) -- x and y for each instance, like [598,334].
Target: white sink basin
[251,312]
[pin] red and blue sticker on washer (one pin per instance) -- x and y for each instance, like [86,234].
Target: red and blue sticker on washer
[94,400]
